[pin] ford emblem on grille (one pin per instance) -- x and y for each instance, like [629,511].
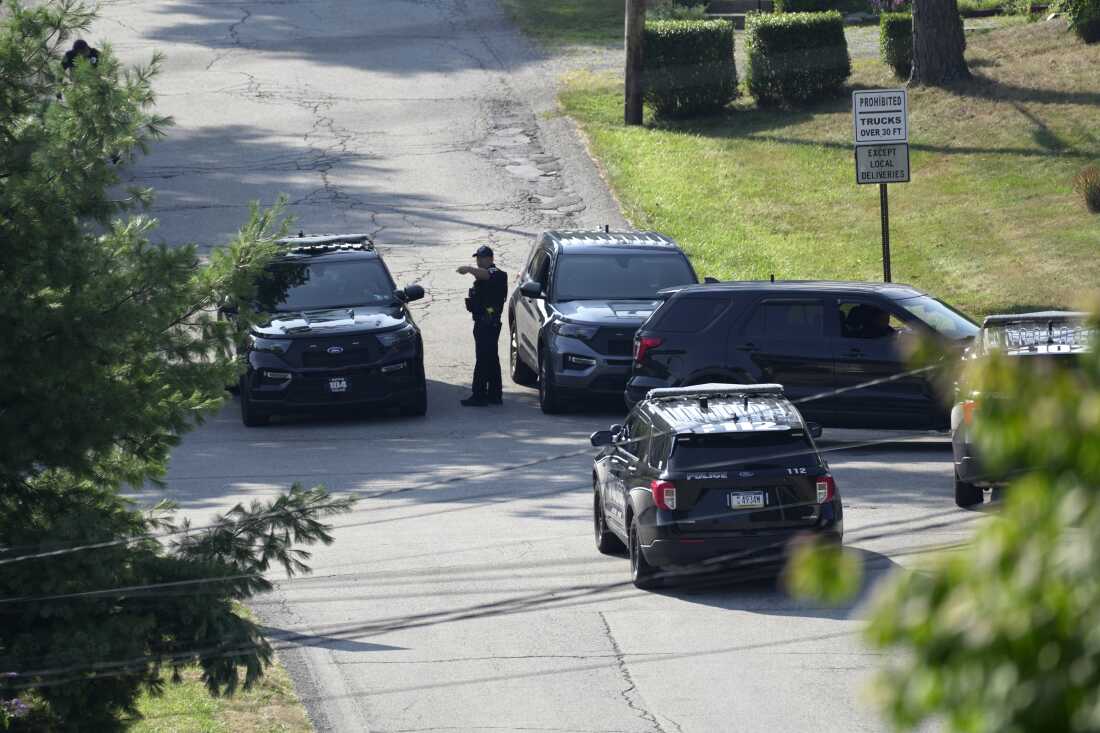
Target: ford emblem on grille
[335,349]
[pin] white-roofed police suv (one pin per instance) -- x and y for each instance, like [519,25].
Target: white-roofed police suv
[335,332]
[711,475]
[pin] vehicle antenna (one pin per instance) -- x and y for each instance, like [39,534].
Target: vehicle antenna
[606,228]
[773,277]
[746,402]
[301,233]
[1050,332]
[704,404]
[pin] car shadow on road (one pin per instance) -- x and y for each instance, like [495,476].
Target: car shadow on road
[761,589]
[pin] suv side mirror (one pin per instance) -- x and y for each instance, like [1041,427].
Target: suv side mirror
[710,280]
[814,429]
[601,438]
[531,289]
[409,294]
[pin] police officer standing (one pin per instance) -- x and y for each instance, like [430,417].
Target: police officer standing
[486,304]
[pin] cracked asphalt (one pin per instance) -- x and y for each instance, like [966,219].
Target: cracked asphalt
[464,593]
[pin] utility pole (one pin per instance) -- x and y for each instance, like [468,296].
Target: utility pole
[635,36]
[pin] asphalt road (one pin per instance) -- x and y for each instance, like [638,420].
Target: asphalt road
[464,593]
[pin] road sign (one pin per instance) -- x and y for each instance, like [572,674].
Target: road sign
[882,163]
[880,116]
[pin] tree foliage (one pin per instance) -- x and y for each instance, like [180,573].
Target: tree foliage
[1003,634]
[110,350]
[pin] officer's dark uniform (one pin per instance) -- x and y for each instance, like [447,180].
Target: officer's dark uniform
[487,305]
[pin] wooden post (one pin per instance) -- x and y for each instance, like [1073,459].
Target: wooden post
[635,35]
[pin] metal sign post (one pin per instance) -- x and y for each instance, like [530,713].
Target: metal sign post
[880,121]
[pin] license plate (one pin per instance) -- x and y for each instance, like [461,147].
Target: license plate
[336,385]
[746,500]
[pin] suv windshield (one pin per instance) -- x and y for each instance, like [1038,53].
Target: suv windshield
[626,276]
[296,286]
[743,450]
[941,318]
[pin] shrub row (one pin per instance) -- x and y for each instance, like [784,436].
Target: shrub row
[689,66]
[796,58]
[895,42]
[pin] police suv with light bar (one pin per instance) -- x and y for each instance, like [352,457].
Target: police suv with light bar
[335,332]
[710,476]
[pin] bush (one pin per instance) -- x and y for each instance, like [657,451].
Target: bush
[1087,183]
[1084,18]
[895,42]
[689,66]
[796,57]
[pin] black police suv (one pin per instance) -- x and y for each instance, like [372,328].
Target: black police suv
[335,332]
[839,349]
[578,302]
[1050,339]
[712,475]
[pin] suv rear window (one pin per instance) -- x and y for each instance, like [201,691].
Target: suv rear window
[689,315]
[743,450]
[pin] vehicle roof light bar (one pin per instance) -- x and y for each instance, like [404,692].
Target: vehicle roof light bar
[321,240]
[715,390]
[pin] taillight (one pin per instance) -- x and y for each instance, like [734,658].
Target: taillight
[969,408]
[644,344]
[664,494]
[826,489]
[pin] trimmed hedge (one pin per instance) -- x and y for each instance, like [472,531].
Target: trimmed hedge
[689,66]
[895,42]
[796,58]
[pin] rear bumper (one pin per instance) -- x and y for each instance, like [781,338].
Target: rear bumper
[669,547]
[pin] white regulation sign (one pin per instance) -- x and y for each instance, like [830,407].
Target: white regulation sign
[880,116]
[882,163]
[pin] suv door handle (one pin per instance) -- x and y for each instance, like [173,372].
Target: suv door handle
[855,352]
[750,346]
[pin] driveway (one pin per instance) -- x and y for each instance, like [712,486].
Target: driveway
[464,593]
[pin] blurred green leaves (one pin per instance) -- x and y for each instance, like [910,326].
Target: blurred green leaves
[1004,633]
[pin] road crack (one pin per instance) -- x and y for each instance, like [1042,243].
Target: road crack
[630,694]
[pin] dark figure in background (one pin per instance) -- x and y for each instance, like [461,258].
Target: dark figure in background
[80,49]
[486,304]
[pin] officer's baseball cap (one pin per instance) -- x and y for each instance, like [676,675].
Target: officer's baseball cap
[484,251]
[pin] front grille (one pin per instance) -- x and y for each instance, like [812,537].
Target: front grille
[615,341]
[354,350]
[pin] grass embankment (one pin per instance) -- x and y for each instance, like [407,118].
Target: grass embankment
[269,707]
[561,22]
[989,221]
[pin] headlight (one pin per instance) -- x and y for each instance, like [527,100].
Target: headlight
[395,339]
[574,330]
[275,346]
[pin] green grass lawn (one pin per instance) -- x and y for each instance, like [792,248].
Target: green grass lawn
[269,707]
[989,222]
[569,21]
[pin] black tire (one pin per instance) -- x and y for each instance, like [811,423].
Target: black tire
[250,416]
[606,541]
[549,397]
[966,495]
[644,575]
[522,374]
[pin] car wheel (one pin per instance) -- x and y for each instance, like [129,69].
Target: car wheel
[642,573]
[522,374]
[966,495]
[417,406]
[250,416]
[549,398]
[606,541]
